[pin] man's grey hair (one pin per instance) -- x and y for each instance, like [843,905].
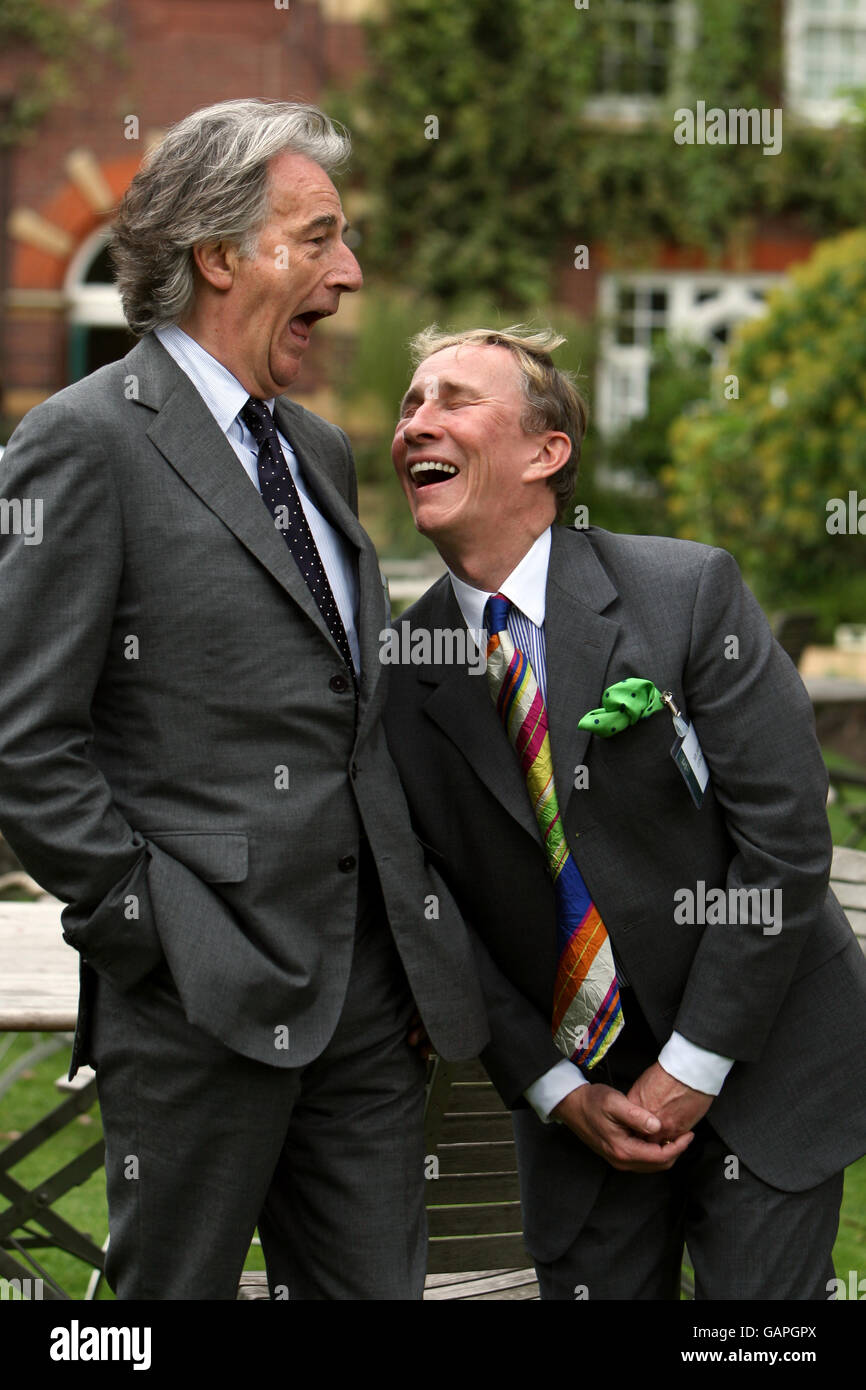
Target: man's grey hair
[553,401]
[207,181]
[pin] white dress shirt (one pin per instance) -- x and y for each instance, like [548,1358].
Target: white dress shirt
[526,587]
[224,397]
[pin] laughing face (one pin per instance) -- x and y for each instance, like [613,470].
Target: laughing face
[260,311]
[465,463]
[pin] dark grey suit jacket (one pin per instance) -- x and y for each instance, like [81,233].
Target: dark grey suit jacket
[790,1007]
[165,672]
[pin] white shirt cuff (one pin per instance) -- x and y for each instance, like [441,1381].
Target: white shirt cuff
[546,1093]
[694,1066]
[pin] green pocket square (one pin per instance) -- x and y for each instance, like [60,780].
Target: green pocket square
[623,704]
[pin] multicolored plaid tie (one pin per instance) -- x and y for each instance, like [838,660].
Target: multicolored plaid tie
[587,1014]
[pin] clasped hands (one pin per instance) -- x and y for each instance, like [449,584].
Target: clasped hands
[645,1131]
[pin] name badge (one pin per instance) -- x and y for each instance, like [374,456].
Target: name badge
[687,753]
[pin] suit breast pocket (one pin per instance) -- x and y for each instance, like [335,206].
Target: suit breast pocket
[638,754]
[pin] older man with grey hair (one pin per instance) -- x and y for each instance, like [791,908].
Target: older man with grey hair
[191,753]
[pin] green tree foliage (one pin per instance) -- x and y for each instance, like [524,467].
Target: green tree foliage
[473,204]
[757,473]
[521,169]
[53,41]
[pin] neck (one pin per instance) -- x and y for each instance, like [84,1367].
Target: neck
[487,565]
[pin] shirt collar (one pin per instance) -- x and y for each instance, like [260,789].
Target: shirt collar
[525,586]
[222,393]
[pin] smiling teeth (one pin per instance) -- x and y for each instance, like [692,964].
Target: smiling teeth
[430,466]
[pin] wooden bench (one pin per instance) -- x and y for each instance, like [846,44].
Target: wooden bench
[848,881]
[473,1198]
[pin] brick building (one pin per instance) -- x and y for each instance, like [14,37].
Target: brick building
[62,315]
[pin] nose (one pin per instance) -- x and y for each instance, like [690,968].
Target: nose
[421,425]
[346,275]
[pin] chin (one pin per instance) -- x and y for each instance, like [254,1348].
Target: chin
[428,526]
[285,373]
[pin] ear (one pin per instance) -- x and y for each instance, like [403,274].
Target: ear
[553,450]
[216,262]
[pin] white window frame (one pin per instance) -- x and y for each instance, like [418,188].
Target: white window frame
[686,320]
[632,109]
[799,18]
[95,306]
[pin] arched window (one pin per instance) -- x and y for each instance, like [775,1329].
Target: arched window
[97,329]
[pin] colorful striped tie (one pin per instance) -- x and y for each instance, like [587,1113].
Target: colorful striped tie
[587,1014]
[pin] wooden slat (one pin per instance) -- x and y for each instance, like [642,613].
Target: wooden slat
[38,971]
[858,923]
[850,895]
[849,865]
[476,1158]
[520,1292]
[501,1218]
[484,1127]
[474,1096]
[848,881]
[471,1071]
[480,1285]
[476,1252]
[449,1190]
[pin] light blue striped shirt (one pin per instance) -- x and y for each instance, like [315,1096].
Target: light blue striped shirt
[224,397]
[525,587]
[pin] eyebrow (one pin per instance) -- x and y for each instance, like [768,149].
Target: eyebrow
[323,223]
[446,388]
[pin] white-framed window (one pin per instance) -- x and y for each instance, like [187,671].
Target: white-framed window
[92,297]
[825,56]
[639,46]
[638,311]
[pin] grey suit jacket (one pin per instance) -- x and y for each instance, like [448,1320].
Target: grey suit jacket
[789,1006]
[179,755]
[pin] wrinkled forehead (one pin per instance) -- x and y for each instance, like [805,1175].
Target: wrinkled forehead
[297,184]
[487,369]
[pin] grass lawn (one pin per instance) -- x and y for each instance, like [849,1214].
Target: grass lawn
[31,1097]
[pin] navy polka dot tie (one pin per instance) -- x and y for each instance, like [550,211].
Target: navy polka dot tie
[281,496]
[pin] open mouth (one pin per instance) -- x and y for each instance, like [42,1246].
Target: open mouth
[302,323]
[429,471]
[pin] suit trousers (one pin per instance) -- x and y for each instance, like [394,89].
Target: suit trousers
[746,1240]
[203,1145]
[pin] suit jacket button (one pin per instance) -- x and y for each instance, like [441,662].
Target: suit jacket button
[338,684]
[347,864]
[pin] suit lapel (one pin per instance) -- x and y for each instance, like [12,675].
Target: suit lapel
[578,643]
[189,438]
[461,706]
[322,476]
